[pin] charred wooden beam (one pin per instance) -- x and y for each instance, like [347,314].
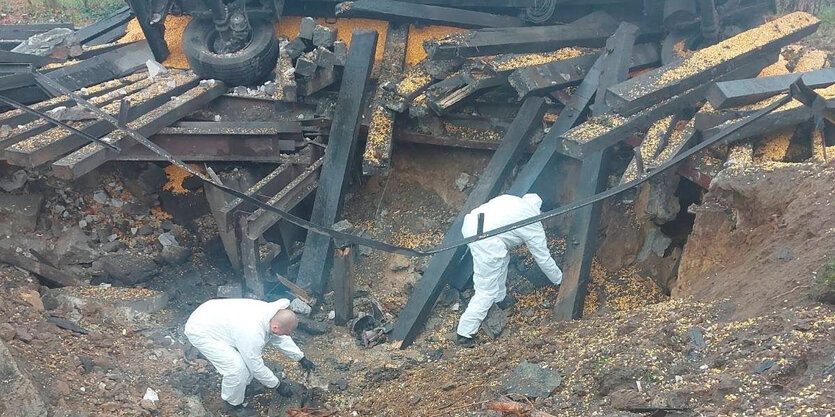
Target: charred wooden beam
[116,63]
[49,275]
[94,155]
[545,78]
[343,285]
[662,150]
[410,12]
[102,31]
[142,154]
[473,86]
[323,78]
[523,40]
[601,132]
[378,146]
[270,185]
[286,199]
[727,94]
[442,265]
[705,65]
[580,249]
[342,144]
[20,58]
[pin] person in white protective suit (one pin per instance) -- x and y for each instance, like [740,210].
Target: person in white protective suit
[232,333]
[491,256]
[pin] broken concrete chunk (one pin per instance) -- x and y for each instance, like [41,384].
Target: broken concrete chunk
[74,247]
[295,48]
[155,68]
[306,28]
[324,58]
[19,213]
[305,66]
[495,322]
[324,36]
[129,269]
[340,53]
[532,380]
[20,398]
[463,181]
[175,254]
[59,43]
[167,239]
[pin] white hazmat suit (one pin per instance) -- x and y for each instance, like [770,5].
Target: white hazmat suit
[491,256]
[231,334]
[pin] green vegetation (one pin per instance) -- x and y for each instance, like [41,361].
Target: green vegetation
[79,12]
[824,289]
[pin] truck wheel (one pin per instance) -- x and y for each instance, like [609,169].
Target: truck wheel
[248,66]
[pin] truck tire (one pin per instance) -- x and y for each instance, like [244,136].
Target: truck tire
[248,66]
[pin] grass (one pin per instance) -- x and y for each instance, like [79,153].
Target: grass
[824,288]
[79,12]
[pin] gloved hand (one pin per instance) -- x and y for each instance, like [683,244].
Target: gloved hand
[284,389]
[306,364]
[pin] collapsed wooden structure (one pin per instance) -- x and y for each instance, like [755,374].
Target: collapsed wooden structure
[570,93]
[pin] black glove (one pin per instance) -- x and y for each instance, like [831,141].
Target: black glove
[306,364]
[284,389]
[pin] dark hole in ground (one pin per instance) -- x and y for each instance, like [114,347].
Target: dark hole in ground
[679,228]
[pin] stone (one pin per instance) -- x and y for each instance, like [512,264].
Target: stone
[495,321]
[71,114]
[129,269]
[340,52]
[148,304]
[195,408]
[100,197]
[230,291]
[33,298]
[5,131]
[167,239]
[7,332]
[155,68]
[175,254]
[324,36]
[23,334]
[463,181]
[532,380]
[15,182]
[60,388]
[400,262]
[448,297]
[656,243]
[59,43]
[147,404]
[20,398]
[306,28]
[300,307]
[784,254]
[167,226]
[113,246]
[19,213]
[337,385]
[135,208]
[74,247]
[312,327]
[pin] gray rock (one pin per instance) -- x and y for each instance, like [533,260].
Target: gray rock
[59,43]
[129,269]
[167,239]
[195,408]
[135,209]
[113,246]
[784,254]
[19,213]
[365,250]
[313,327]
[324,36]
[400,263]
[148,304]
[155,68]
[656,243]
[448,297]
[5,131]
[100,197]
[20,398]
[167,226]
[175,254]
[145,230]
[337,385]
[495,322]
[532,380]
[463,181]
[74,247]
[71,114]
[15,182]
[7,332]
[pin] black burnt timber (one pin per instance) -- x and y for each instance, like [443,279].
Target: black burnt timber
[287,128]
[12,35]
[154,33]
[524,39]
[20,58]
[94,155]
[270,185]
[97,32]
[45,148]
[401,11]
[48,275]
[593,172]
[378,147]
[342,278]
[402,135]
[342,145]
[322,78]
[789,115]
[652,87]
[141,154]
[544,78]
[107,66]
[442,266]
[727,94]
[609,129]
[454,99]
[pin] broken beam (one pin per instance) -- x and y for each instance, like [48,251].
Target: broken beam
[94,155]
[727,94]
[49,275]
[442,265]
[410,12]
[342,143]
[705,65]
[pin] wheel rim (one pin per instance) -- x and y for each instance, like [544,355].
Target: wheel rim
[541,11]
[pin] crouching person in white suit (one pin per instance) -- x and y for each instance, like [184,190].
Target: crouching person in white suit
[491,256]
[232,334]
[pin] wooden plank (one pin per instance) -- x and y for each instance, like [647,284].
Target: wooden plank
[593,172]
[19,33]
[600,132]
[100,68]
[270,185]
[727,94]
[545,78]
[17,57]
[704,65]
[97,29]
[342,144]
[473,87]
[48,275]
[94,155]
[378,146]
[442,266]
[233,128]
[343,285]
[522,40]
[288,198]
[399,11]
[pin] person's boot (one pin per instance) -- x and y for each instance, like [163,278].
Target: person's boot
[465,342]
[508,302]
[240,410]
